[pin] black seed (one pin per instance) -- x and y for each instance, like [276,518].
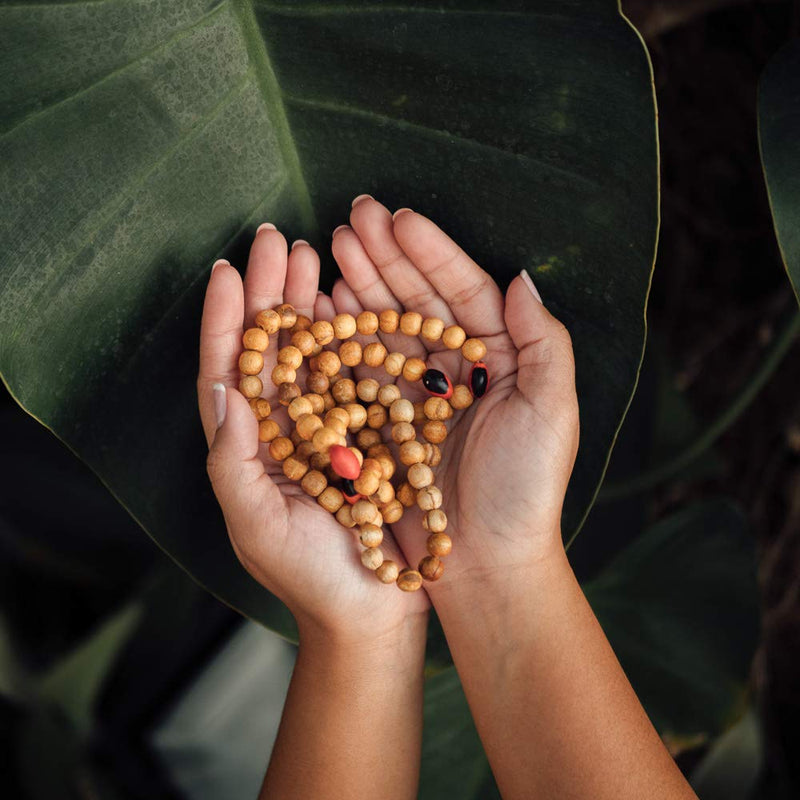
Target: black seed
[348,488]
[478,381]
[435,381]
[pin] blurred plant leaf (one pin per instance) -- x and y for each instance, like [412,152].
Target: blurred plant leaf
[144,138]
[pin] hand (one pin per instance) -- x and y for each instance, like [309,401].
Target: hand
[507,458]
[284,539]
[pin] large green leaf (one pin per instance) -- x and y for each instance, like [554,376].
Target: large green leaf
[779,140]
[143,138]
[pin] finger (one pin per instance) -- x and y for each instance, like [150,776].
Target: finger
[220,339]
[265,278]
[372,221]
[323,307]
[302,278]
[471,293]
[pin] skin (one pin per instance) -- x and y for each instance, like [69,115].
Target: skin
[555,712]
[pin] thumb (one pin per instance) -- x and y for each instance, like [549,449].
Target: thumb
[545,363]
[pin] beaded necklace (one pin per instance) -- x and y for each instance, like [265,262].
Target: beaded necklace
[354,482]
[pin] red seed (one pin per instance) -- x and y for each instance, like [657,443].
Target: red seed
[344,462]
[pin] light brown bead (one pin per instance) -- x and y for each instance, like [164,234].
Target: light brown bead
[268,429]
[281,447]
[419,413]
[344,516]
[344,326]
[367,390]
[387,572]
[376,416]
[437,408]
[317,382]
[367,322]
[384,495]
[374,353]
[413,369]
[314,482]
[344,392]
[433,455]
[287,392]
[473,349]
[429,498]
[372,557]
[419,475]
[328,363]
[255,339]
[392,511]
[434,431]
[282,373]
[434,520]
[299,407]
[375,450]
[312,361]
[388,466]
[296,438]
[317,403]
[287,313]
[439,544]
[268,320]
[370,535]
[294,468]
[453,337]
[432,329]
[393,364]
[251,362]
[336,424]
[411,452]
[389,319]
[308,425]
[303,448]
[304,341]
[409,580]
[358,416]
[322,331]
[406,494]
[367,483]
[328,400]
[401,410]
[431,568]
[358,454]
[325,438]
[366,437]
[403,432]
[461,397]
[261,407]
[331,499]
[411,323]
[291,356]
[372,465]
[250,386]
[303,323]
[363,511]
[320,461]
[350,353]
[339,413]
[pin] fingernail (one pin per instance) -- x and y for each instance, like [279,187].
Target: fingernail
[523,273]
[336,230]
[220,403]
[400,211]
[265,226]
[360,198]
[218,262]
[298,241]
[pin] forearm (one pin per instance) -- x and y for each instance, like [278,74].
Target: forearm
[554,710]
[352,722]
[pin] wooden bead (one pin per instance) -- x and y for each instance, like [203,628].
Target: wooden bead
[328,362]
[433,455]
[434,431]
[434,520]
[411,323]
[439,544]
[331,499]
[388,320]
[325,438]
[372,465]
[344,326]
[291,356]
[380,449]
[461,397]
[296,438]
[453,337]
[283,373]
[367,390]
[406,494]
[431,568]
[322,331]
[358,454]
[366,437]
[388,466]
[411,453]
[402,431]
[392,511]
[437,408]
[413,369]
[385,493]
[344,392]
[350,353]
[268,320]
[339,413]
[304,341]
[358,415]
[344,516]
[337,425]
[299,407]
[308,425]
[376,416]
[367,483]
[320,461]
[388,393]
[303,323]
[317,403]
[303,448]
[372,557]
[419,475]
[473,349]
[295,468]
[393,364]
[268,429]
[261,407]
[328,401]
[419,413]
[370,535]
[363,512]
[314,482]
[287,392]
[317,382]
[281,447]
[255,339]
[432,329]
[374,354]
[250,386]
[287,313]
[409,580]
[387,572]
[367,323]
[429,498]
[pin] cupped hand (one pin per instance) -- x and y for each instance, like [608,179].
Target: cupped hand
[507,458]
[283,537]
